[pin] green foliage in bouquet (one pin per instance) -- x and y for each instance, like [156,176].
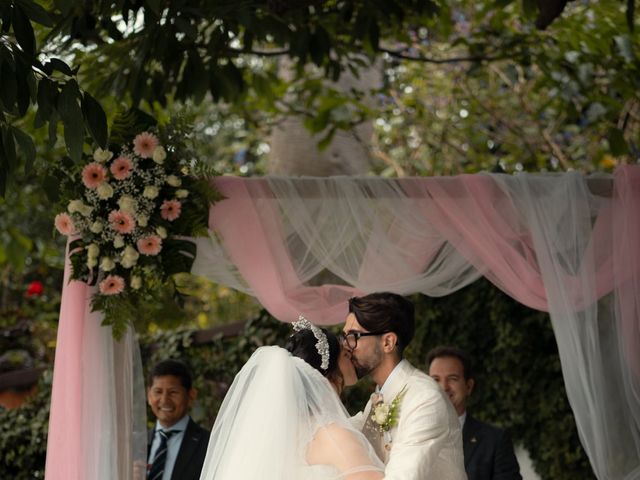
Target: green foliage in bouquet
[128,211]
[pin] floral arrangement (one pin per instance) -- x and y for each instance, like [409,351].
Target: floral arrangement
[127,211]
[385,415]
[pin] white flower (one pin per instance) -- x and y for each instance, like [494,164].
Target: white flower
[93,251]
[105,190]
[100,155]
[159,155]
[151,192]
[142,220]
[107,264]
[136,282]
[174,181]
[79,207]
[129,257]
[96,227]
[162,232]
[92,262]
[182,193]
[127,204]
[118,241]
[381,413]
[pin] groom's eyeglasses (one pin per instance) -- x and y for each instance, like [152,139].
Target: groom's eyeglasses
[351,338]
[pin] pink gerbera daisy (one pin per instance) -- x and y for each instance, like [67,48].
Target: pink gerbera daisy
[93,175]
[121,167]
[170,209]
[144,144]
[112,285]
[64,224]
[121,222]
[150,245]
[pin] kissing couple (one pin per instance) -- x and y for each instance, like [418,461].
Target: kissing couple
[282,418]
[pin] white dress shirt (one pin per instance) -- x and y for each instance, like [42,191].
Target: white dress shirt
[173,444]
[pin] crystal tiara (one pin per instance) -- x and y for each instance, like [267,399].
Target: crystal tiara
[322,345]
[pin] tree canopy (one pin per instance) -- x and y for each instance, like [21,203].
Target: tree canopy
[63,64]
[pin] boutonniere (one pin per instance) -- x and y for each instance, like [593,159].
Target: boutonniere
[385,415]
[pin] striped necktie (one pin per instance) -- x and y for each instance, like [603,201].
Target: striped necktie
[157,468]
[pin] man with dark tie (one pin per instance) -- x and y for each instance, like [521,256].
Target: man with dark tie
[177,445]
[488,450]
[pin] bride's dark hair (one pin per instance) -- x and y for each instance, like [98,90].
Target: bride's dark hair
[302,344]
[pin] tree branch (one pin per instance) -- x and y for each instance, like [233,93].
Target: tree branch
[471,58]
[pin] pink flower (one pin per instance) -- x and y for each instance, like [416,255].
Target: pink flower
[170,209]
[144,144]
[64,224]
[121,222]
[112,285]
[150,245]
[93,174]
[121,167]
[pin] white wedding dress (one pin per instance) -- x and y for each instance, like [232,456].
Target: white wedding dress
[282,420]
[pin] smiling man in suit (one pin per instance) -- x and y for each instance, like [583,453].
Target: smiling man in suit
[177,445]
[488,450]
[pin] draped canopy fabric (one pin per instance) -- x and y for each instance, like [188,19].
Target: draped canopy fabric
[555,242]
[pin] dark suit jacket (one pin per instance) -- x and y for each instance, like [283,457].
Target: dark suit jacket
[488,452]
[192,451]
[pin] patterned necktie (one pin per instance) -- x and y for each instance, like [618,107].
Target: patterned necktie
[157,468]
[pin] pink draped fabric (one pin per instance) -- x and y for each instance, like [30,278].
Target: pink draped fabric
[64,449]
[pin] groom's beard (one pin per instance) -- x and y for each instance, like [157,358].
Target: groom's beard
[364,366]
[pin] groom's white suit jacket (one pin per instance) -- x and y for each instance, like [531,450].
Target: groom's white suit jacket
[426,442]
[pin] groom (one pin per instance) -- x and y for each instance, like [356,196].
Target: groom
[409,420]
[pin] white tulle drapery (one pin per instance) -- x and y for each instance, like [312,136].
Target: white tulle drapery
[559,243]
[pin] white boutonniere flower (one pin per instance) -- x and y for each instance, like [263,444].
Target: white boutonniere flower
[385,415]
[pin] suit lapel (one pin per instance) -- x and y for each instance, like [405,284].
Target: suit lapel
[187,449]
[470,438]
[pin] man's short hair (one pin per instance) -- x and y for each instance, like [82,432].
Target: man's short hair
[385,312]
[175,368]
[455,352]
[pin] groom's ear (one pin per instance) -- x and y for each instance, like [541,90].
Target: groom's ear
[389,342]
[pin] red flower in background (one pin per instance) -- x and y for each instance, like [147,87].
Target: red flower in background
[34,289]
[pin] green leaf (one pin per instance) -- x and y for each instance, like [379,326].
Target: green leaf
[9,90]
[53,130]
[65,6]
[530,8]
[51,186]
[67,104]
[155,6]
[95,119]
[35,12]
[27,147]
[24,31]
[9,146]
[59,65]
[617,144]
[47,98]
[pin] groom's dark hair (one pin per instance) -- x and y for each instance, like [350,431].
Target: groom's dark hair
[385,312]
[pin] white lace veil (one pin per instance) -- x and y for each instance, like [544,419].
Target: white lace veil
[275,410]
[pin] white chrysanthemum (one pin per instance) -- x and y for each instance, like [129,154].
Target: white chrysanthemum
[150,192]
[118,241]
[182,193]
[162,232]
[78,206]
[174,181]
[107,264]
[159,155]
[104,190]
[96,227]
[127,204]
[100,155]
[129,257]
[136,282]
[92,262]
[93,251]
[142,220]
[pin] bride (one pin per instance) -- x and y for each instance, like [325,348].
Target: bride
[282,418]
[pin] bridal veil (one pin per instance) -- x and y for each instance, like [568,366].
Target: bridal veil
[277,411]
